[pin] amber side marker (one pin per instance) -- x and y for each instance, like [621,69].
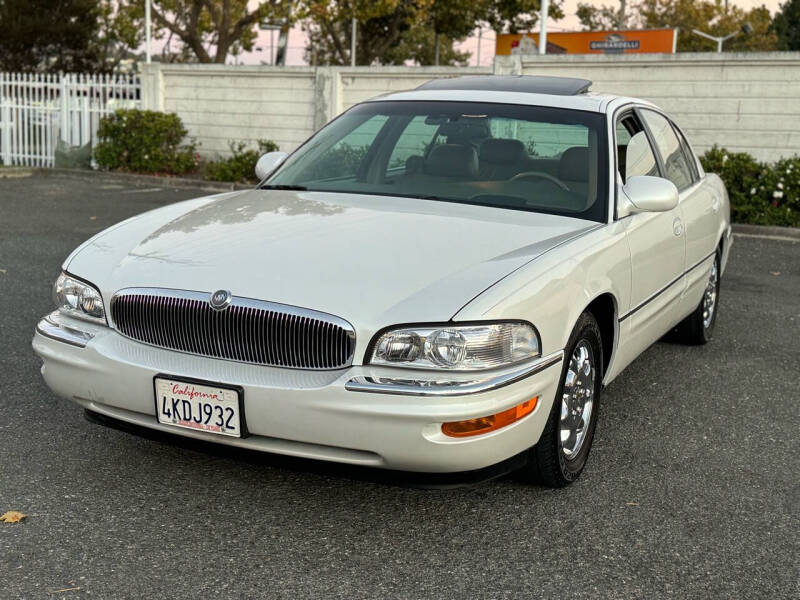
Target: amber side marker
[483,425]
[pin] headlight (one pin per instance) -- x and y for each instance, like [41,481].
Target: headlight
[456,347]
[78,299]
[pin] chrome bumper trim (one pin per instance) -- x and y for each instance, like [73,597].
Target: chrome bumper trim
[52,327]
[433,387]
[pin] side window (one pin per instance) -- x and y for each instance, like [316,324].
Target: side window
[634,154]
[676,165]
[412,142]
[687,150]
[541,140]
[343,159]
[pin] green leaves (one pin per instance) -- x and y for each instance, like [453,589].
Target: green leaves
[760,193]
[240,166]
[144,141]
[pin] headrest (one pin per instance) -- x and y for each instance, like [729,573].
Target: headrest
[464,131]
[452,160]
[502,152]
[414,164]
[574,164]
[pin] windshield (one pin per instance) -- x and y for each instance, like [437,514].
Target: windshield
[510,156]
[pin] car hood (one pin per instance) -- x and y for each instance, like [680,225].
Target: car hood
[373,260]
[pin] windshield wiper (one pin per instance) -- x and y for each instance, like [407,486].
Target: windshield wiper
[281,186]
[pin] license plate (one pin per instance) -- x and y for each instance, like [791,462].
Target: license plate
[202,407]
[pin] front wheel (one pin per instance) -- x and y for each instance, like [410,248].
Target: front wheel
[561,453]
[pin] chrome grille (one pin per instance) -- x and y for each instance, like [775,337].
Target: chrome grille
[251,331]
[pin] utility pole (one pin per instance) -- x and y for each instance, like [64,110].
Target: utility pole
[436,48]
[543,26]
[353,43]
[621,14]
[147,31]
[480,32]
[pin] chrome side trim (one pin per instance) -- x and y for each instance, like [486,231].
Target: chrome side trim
[433,387]
[666,287]
[52,327]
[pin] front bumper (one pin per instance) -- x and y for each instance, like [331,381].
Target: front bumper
[309,414]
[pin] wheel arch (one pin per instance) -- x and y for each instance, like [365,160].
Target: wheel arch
[604,309]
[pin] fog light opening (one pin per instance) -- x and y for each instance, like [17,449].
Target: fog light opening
[483,425]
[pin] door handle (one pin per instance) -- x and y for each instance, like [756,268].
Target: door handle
[677,226]
[715,203]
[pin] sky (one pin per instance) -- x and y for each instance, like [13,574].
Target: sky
[297,37]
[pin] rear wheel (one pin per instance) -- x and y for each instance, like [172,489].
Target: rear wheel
[698,327]
[561,453]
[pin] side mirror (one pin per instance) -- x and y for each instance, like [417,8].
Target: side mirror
[650,194]
[268,163]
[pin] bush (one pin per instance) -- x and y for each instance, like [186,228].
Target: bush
[760,193]
[241,165]
[144,141]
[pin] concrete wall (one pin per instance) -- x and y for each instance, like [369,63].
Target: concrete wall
[746,102]
[221,103]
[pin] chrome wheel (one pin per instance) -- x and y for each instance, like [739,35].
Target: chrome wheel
[577,400]
[710,297]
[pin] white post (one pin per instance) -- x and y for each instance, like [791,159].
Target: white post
[147,30]
[543,26]
[5,123]
[353,43]
[63,91]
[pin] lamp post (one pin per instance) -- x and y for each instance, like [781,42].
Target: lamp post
[543,26]
[147,52]
[746,29]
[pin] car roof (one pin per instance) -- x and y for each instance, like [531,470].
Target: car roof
[522,89]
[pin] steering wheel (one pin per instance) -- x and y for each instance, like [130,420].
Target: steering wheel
[539,175]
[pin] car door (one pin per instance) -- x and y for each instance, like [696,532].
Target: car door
[656,242]
[699,204]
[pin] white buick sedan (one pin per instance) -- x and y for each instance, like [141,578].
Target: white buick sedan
[440,280]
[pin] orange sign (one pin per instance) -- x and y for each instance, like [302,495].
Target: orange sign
[632,41]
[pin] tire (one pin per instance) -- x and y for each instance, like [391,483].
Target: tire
[698,328]
[550,462]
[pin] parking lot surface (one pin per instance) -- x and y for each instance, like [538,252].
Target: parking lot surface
[692,488]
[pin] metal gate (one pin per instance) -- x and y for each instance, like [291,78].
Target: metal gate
[37,110]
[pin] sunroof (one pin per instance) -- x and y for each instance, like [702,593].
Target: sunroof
[531,84]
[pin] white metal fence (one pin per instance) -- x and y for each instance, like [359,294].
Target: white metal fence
[37,110]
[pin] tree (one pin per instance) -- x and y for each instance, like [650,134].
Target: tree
[418,45]
[47,35]
[515,16]
[380,24]
[210,29]
[786,26]
[384,25]
[710,17]
[604,17]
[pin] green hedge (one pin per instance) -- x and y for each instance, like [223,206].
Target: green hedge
[239,167]
[144,141]
[760,193]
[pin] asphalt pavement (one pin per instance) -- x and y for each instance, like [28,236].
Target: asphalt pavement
[692,489]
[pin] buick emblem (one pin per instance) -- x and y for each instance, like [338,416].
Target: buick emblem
[220,299]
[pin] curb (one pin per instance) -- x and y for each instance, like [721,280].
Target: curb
[129,178]
[792,233]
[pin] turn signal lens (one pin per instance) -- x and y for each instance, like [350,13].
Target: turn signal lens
[483,425]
